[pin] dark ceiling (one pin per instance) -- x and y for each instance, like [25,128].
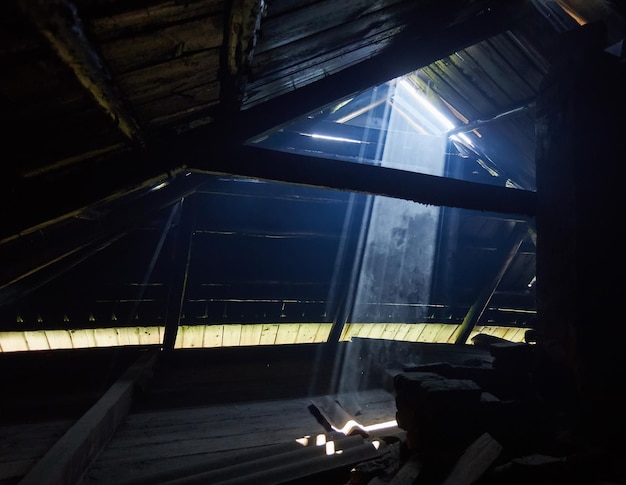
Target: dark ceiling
[146,180]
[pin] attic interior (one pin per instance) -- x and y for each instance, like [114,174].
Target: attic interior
[295,241]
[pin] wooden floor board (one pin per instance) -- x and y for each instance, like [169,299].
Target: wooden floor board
[151,441]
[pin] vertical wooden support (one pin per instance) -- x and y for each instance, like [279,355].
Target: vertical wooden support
[180,271]
[580,193]
[479,306]
[68,460]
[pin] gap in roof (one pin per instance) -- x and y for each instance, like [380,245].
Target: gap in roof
[402,124]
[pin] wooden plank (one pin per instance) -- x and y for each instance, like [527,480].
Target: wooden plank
[373,330]
[37,340]
[409,471]
[142,50]
[323,332]
[287,333]
[307,21]
[127,335]
[155,82]
[307,333]
[250,334]
[155,15]
[415,332]
[25,443]
[13,341]
[362,35]
[403,331]
[430,332]
[179,104]
[70,457]
[268,334]
[296,468]
[213,335]
[64,31]
[83,338]
[388,331]
[105,337]
[451,36]
[149,335]
[476,459]
[192,336]
[161,470]
[349,330]
[232,335]
[309,170]
[446,333]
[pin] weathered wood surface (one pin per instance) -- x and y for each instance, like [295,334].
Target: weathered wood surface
[21,445]
[476,459]
[155,441]
[69,458]
[169,78]
[131,22]
[142,50]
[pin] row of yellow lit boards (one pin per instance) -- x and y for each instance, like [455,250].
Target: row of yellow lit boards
[206,336]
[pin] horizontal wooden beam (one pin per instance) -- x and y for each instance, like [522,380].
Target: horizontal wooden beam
[312,171]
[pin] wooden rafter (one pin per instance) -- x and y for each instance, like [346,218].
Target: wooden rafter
[71,456]
[58,21]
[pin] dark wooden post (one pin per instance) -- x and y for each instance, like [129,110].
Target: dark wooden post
[580,262]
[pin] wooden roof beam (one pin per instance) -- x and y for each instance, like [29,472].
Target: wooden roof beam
[415,48]
[355,177]
[58,21]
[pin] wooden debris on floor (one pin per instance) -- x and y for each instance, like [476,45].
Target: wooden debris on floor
[490,424]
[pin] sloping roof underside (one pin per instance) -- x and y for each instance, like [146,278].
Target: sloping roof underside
[210,249]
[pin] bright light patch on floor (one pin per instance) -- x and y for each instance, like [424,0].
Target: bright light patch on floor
[304,441]
[330,447]
[386,425]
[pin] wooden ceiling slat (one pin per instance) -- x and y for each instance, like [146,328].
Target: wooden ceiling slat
[172,77]
[448,92]
[526,69]
[489,88]
[143,50]
[498,66]
[318,49]
[310,20]
[186,103]
[429,43]
[61,26]
[151,15]
[466,89]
